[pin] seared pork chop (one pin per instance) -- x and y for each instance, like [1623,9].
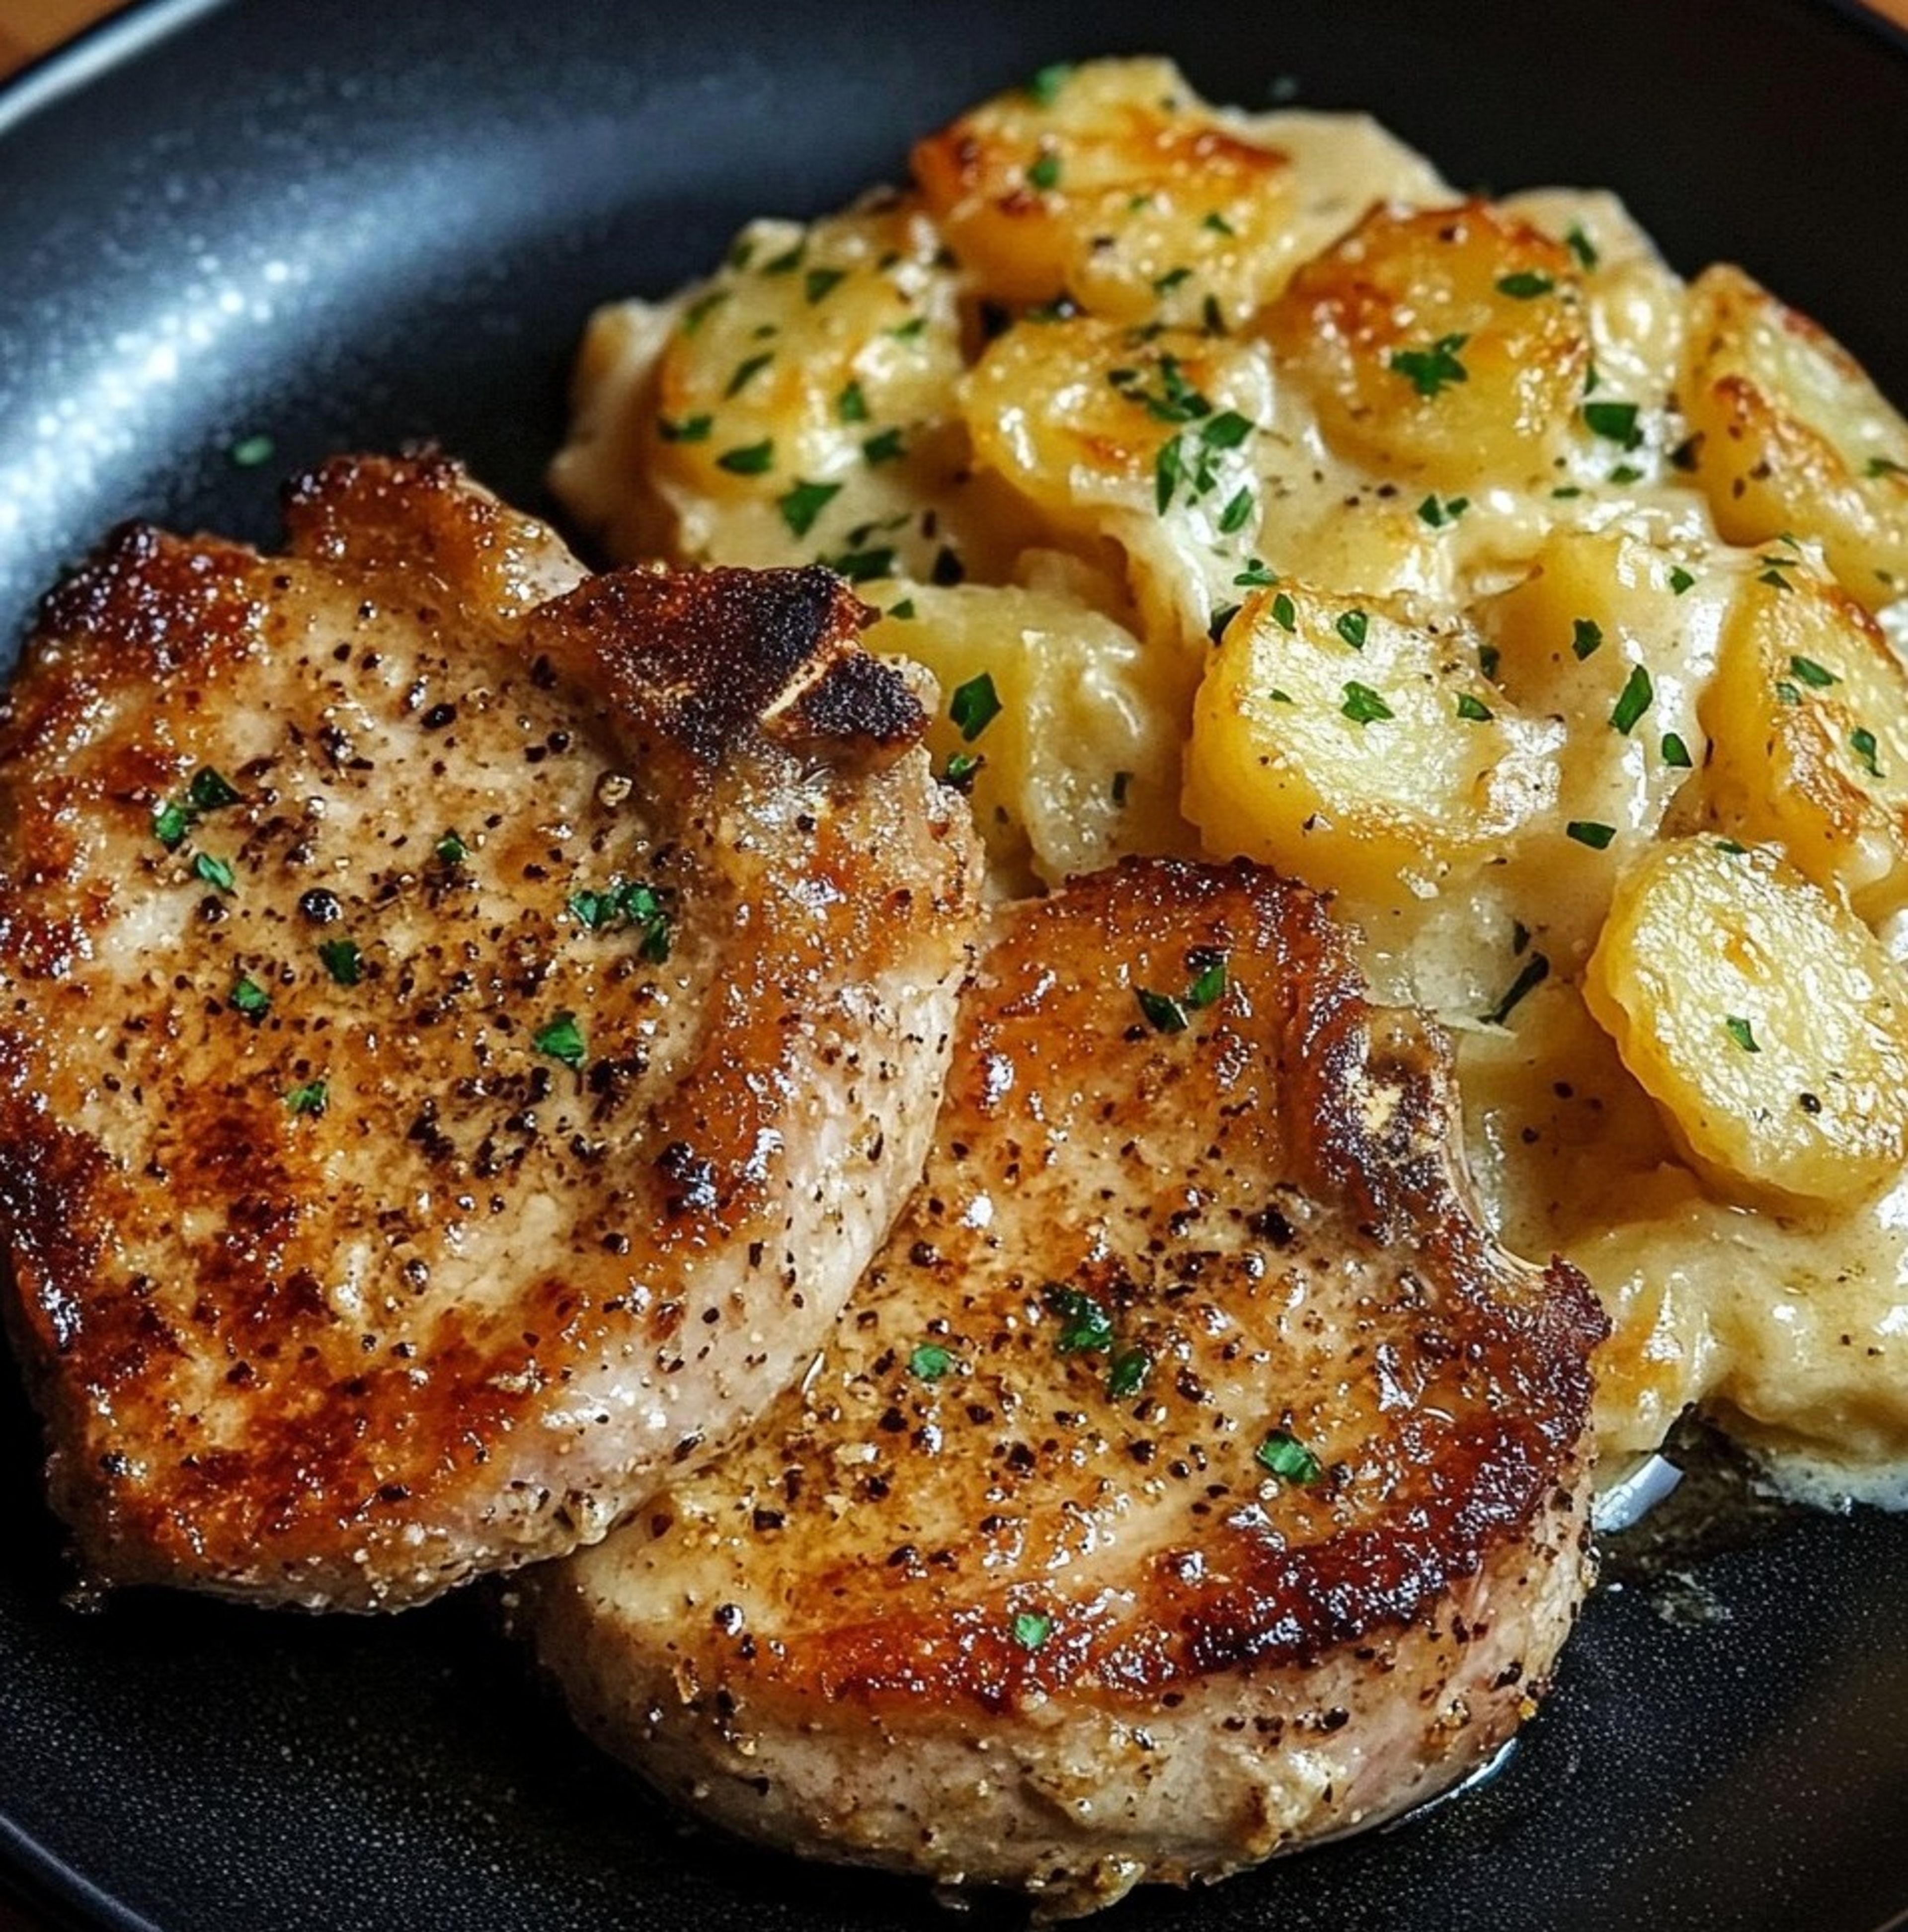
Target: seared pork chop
[459,1043]
[1191,1476]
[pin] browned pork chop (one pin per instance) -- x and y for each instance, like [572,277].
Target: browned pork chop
[1191,1476]
[456,1050]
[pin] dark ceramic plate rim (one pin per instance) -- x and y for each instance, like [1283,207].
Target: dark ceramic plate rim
[30,1871]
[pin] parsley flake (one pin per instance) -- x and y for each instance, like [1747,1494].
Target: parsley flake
[697,312]
[249,997]
[974,706]
[1047,81]
[1581,246]
[1525,286]
[1586,637]
[170,823]
[885,448]
[820,283]
[1811,673]
[249,451]
[1432,371]
[1473,709]
[562,1038]
[215,872]
[1742,1033]
[1587,831]
[851,406]
[1364,706]
[1354,627]
[802,505]
[1255,576]
[963,768]
[1861,741]
[1233,518]
[1288,1458]
[311,1098]
[689,429]
[1031,1630]
[1209,978]
[1439,514]
[1285,613]
[1085,1325]
[751,459]
[1169,469]
[1634,700]
[1535,970]
[1615,422]
[1885,466]
[452,849]
[341,958]
[1043,172]
[211,790]
[1164,1013]
[1128,1373]
[859,566]
[1681,580]
[1676,752]
[746,370]
[930,1362]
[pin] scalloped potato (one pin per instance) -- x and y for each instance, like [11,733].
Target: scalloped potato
[1455,556]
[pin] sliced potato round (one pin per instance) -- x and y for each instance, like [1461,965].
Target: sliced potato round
[1447,344]
[1762,1018]
[1355,748]
[1062,726]
[1794,435]
[1808,714]
[1113,184]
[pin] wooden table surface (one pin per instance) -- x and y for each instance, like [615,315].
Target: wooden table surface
[29,28]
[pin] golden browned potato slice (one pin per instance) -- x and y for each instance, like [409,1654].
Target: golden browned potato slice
[1762,1017]
[1808,714]
[1114,184]
[1447,344]
[1355,748]
[1794,436]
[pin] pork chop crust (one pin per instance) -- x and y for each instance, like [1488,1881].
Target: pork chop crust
[463,1029]
[1191,1476]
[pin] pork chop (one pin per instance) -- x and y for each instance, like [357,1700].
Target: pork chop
[1191,1476]
[463,1029]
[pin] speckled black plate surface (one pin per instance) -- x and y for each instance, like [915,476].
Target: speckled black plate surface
[338,226]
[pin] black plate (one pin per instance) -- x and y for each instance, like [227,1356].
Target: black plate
[341,226]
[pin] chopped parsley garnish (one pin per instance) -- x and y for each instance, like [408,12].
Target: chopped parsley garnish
[1861,741]
[1354,627]
[249,997]
[1633,700]
[452,849]
[974,706]
[171,822]
[1615,422]
[1288,1458]
[341,958]
[1581,246]
[930,1362]
[561,1038]
[1221,616]
[1587,831]
[1536,970]
[1226,431]
[1885,466]
[214,872]
[1031,1630]
[1586,637]
[802,505]
[210,789]
[1176,400]
[851,406]
[1164,285]
[1525,286]
[1285,613]
[858,565]
[904,609]
[1474,709]
[249,451]
[1168,468]
[1488,658]
[1085,1324]
[1439,514]
[627,902]
[1681,580]
[746,370]
[1210,315]
[1787,692]
[1364,706]
[820,283]
[1810,672]
[1045,85]
[751,459]
[1676,752]
[909,330]
[1209,978]
[885,448]
[310,1099]
[789,260]
[1256,576]
[1773,576]
[1128,1373]
[1742,1033]
[1164,1013]
[1234,517]
[690,429]
[1429,371]
[1043,172]
[963,768]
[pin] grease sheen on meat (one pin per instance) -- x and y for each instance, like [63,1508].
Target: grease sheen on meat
[464,1029]
[1035,1580]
